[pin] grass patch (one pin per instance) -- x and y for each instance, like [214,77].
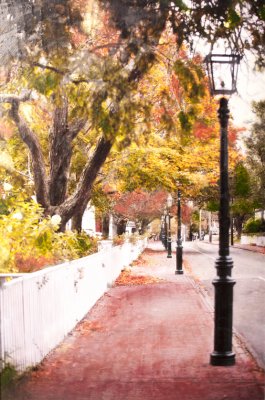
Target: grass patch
[8,375]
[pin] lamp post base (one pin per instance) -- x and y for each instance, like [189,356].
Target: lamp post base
[225,359]
[179,269]
[179,272]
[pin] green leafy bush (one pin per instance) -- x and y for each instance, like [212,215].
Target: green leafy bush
[7,376]
[135,237]
[70,245]
[254,226]
[30,241]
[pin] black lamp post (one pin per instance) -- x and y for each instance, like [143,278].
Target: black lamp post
[166,230]
[162,230]
[169,241]
[232,228]
[179,269]
[223,83]
[231,212]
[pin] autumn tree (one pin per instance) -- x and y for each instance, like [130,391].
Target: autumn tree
[243,203]
[239,24]
[140,206]
[82,90]
[87,80]
[94,108]
[256,153]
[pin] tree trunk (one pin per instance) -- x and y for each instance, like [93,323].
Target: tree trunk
[121,227]
[38,164]
[105,226]
[77,219]
[61,137]
[82,195]
[60,155]
[144,225]
[238,222]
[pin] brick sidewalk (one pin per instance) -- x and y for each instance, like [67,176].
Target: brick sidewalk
[150,341]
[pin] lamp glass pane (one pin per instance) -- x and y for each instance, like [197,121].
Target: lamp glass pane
[222,71]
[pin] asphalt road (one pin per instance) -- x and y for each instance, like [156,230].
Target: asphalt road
[249,291]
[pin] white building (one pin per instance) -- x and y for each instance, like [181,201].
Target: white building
[88,221]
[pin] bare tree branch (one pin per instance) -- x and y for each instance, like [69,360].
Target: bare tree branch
[82,194]
[32,141]
[11,98]
[54,69]
[76,127]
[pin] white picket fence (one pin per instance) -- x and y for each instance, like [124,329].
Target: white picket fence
[39,309]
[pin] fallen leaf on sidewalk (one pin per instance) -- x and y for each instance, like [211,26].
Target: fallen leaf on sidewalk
[140,261]
[127,279]
[88,326]
[151,252]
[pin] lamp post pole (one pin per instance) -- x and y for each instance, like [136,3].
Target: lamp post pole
[223,283]
[179,269]
[222,71]
[166,231]
[163,230]
[231,212]
[232,231]
[168,207]
[169,241]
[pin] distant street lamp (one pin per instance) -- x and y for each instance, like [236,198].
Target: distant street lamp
[232,227]
[231,180]
[179,269]
[222,71]
[166,230]
[163,233]
[169,241]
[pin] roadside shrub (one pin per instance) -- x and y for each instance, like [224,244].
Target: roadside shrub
[30,241]
[31,263]
[254,226]
[119,239]
[7,376]
[24,233]
[135,237]
[71,245]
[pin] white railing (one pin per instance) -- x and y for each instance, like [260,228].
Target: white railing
[39,309]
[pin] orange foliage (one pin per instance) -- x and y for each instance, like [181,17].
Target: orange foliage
[127,279]
[88,326]
[233,133]
[202,131]
[140,204]
[78,38]
[176,88]
[32,263]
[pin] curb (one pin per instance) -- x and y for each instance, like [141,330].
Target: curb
[255,249]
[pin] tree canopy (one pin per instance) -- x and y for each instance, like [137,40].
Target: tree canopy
[77,88]
[256,153]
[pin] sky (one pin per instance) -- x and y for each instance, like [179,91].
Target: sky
[250,87]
